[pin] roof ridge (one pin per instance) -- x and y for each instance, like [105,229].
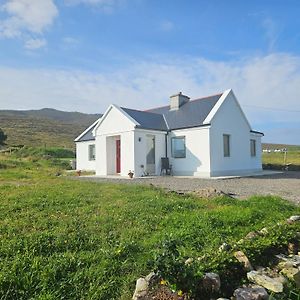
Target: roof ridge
[204,97]
[144,111]
[219,94]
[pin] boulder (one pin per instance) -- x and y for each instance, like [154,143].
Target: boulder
[141,289]
[274,284]
[251,293]
[212,282]
[264,231]
[251,235]
[292,274]
[292,259]
[293,219]
[243,259]
[152,279]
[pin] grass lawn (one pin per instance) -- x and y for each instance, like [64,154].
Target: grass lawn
[65,239]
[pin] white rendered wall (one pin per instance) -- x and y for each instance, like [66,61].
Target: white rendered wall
[127,152]
[230,120]
[114,125]
[82,156]
[140,149]
[256,161]
[197,160]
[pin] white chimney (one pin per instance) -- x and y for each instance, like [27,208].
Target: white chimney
[178,100]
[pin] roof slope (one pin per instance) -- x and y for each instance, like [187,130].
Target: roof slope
[191,114]
[146,119]
[88,136]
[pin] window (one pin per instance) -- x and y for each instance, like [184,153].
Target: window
[178,147]
[253,147]
[92,152]
[226,145]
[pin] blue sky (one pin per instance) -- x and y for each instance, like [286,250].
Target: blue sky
[85,54]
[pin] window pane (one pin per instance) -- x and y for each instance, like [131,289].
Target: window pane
[178,147]
[92,152]
[253,147]
[226,145]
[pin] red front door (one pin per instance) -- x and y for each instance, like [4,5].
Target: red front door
[118,156]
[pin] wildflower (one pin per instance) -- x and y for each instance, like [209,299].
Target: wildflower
[163,282]
[180,293]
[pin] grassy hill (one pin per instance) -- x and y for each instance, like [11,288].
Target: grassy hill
[53,128]
[45,127]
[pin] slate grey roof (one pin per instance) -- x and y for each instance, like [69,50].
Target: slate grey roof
[147,120]
[191,114]
[88,136]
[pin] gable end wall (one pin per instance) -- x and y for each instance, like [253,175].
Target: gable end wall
[230,120]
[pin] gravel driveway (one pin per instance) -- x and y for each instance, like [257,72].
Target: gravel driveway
[285,185]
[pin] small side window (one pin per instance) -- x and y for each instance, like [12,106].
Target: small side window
[178,147]
[226,145]
[92,152]
[253,147]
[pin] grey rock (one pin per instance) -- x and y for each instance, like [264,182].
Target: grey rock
[189,261]
[292,274]
[152,278]
[273,284]
[251,293]
[212,282]
[242,258]
[291,259]
[251,235]
[141,289]
[293,219]
[264,231]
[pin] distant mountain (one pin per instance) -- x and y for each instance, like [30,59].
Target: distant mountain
[44,127]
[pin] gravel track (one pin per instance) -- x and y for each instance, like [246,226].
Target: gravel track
[285,185]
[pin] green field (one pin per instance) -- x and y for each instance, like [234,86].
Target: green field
[278,160]
[67,239]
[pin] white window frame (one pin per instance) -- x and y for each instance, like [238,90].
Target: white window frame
[173,151]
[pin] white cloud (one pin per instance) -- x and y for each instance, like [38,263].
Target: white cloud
[271,81]
[26,17]
[32,44]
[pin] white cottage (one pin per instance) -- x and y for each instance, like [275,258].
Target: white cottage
[205,137]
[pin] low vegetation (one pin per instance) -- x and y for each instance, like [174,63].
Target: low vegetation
[69,239]
[47,127]
[281,160]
